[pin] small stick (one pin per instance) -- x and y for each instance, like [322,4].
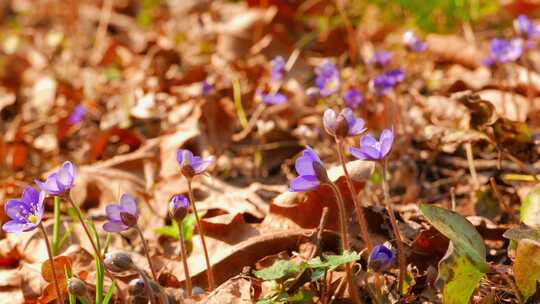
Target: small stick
[183,253]
[472,168]
[209,271]
[453,198]
[59,296]
[498,194]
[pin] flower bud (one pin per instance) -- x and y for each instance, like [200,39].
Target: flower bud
[381,258]
[76,287]
[118,261]
[179,207]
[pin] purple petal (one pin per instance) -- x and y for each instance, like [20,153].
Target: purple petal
[30,196]
[304,183]
[329,121]
[368,140]
[16,226]
[66,175]
[17,210]
[128,204]
[357,127]
[201,165]
[304,166]
[274,98]
[114,226]
[113,212]
[181,154]
[386,140]
[311,154]
[365,153]
[50,185]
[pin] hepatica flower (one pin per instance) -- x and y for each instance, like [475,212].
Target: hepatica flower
[25,213]
[60,181]
[277,68]
[353,98]
[327,80]
[526,28]
[271,98]
[311,172]
[381,258]
[77,115]
[503,51]
[413,43]
[385,82]
[191,165]
[343,124]
[178,207]
[381,59]
[122,216]
[371,149]
[206,88]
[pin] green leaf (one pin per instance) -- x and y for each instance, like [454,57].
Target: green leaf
[530,209]
[460,277]
[522,232]
[279,269]
[302,296]
[461,232]
[464,264]
[109,294]
[527,267]
[188,222]
[333,261]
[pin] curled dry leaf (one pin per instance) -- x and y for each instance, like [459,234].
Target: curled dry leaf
[455,49]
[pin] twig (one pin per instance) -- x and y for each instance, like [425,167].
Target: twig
[470,162]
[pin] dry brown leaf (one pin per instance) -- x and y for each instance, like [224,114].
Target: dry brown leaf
[452,48]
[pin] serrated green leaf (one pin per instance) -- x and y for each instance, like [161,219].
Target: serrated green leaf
[527,267]
[530,209]
[461,232]
[279,269]
[333,261]
[460,277]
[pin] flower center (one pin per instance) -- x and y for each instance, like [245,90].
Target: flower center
[32,219]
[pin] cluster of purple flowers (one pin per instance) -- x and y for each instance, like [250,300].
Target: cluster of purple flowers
[328,80]
[504,51]
[387,81]
[526,28]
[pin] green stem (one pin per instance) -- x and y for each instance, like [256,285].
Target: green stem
[56,226]
[237,94]
[395,228]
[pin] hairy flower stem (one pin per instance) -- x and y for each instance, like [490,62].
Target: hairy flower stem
[146,252]
[91,239]
[357,208]
[395,228]
[209,271]
[345,240]
[183,256]
[147,285]
[59,296]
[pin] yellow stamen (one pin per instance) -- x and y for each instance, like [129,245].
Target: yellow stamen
[32,219]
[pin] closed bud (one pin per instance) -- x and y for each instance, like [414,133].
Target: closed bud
[320,172]
[179,207]
[76,287]
[381,258]
[118,261]
[342,127]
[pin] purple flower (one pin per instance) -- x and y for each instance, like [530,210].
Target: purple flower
[206,88]
[381,59]
[60,181]
[273,98]
[192,165]
[344,124]
[311,172]
[381,258]
[371,149]
[277,69]
[412,43]
[77,115]
[26,213]
[353,98]
[327,79]
[122,216]
[178,207]
[387,81]
[503,51]
[526,28]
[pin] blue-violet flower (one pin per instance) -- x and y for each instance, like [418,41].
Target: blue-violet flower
[327,80]
[381,258]
[413,43]
[178,207]
[191,165]
[371,149]
[123,215]
[277,68]
[25,213]
[60,181]
[353,98]
[344,124]
[311,172]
